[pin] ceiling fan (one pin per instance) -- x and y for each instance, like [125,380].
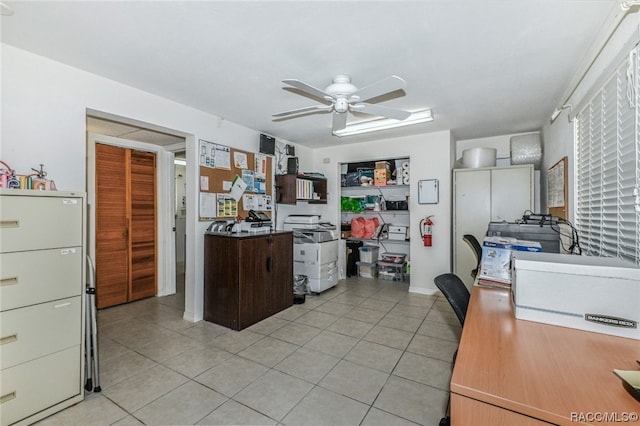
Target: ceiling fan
[342,96]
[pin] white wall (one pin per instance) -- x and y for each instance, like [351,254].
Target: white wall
[44,105]
[430,158]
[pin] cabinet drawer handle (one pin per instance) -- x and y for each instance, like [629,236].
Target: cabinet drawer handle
[9,223]
[9,339]
[8,281]
[62,305]
[7,397]
[269,264]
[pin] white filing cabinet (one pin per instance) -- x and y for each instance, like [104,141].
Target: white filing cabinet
[42,275]
[483,195]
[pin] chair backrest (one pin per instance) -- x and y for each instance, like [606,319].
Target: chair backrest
[477,250]
[456,293]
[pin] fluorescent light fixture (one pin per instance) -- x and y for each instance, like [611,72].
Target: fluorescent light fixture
[416,117]
[180,161]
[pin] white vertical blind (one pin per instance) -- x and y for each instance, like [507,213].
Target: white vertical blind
[608,167]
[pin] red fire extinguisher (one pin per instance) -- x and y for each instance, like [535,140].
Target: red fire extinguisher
[426,231]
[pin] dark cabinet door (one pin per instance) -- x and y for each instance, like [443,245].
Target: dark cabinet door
[255,280]
[281,272]
[221,286]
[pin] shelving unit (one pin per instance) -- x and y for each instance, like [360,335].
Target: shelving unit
[391,217]
[291,188]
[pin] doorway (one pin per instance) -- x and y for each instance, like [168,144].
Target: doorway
[180,173]
[126,224]
[125,133]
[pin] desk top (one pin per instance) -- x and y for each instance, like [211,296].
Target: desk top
[540,370]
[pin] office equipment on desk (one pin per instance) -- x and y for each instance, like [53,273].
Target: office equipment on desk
[514,372]
[546,232]
[315,250]
[589,293]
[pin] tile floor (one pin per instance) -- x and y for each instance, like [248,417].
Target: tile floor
[366,352]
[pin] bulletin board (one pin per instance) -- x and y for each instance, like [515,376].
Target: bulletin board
[232,182]
[557,189]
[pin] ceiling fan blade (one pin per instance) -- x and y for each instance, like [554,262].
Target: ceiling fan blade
[303,110]
[397,114]
[339,121]
[307,88]
[384,86]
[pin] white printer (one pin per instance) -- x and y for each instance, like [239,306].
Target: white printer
[315,250]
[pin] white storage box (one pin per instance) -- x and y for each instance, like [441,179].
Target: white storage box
[397,237]
[369,254]
[398,229]
[585,292]
[367,270]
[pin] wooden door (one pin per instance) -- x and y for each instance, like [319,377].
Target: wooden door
[142,244]
[125,225]
[112,226]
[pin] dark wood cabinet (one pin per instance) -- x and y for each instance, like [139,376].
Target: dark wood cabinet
[247,277]
[292,188]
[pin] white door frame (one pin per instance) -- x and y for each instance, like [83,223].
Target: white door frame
[165,204]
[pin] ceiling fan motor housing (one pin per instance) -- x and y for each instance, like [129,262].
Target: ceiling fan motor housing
[341,86]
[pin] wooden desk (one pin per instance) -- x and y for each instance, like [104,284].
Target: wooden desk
[516,372]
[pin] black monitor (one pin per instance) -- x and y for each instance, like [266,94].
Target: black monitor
[547,233]
[267,144]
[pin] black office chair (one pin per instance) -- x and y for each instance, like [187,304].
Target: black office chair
[477,250]
[458,297]
[456,293]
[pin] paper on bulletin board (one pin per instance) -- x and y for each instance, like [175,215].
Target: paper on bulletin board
[237,188]
[247,177]
[257,202]
[207,154]
[223,157]
[260,166]
[240,160]
[204,183]
[207,208]
[227,206]
[555,185]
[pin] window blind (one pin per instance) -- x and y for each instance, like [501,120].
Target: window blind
[608,166]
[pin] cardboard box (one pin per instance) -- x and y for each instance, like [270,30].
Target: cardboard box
[381,176]
[495,264]
[589,293]
[383,165]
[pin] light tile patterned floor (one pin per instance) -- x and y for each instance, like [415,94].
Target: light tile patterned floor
[366,352]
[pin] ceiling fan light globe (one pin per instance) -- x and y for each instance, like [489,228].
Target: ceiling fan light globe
[341,105]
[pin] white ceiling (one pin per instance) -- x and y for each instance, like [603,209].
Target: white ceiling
[484,67]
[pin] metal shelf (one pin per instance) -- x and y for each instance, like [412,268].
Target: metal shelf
[371,212]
